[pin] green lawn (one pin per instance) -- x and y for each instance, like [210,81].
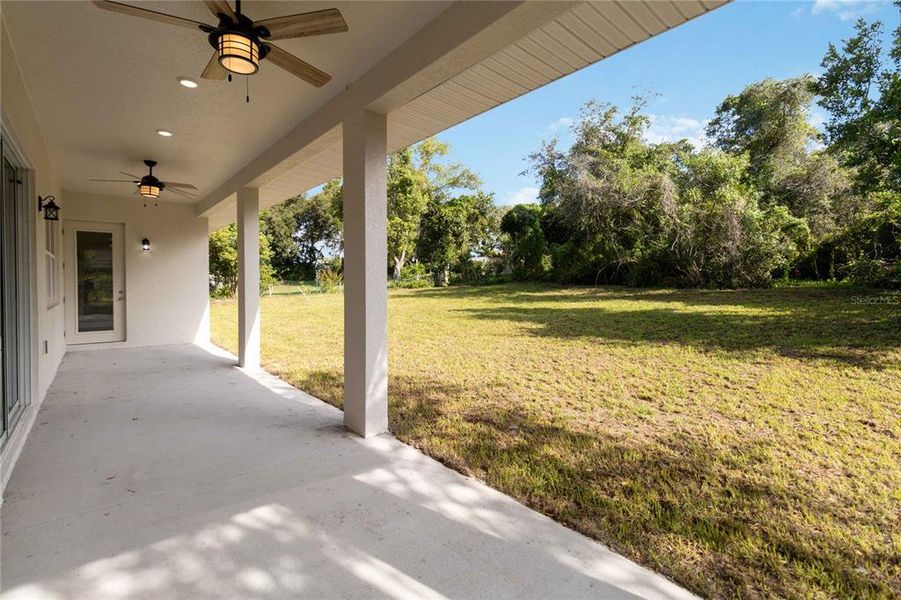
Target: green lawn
[744,443]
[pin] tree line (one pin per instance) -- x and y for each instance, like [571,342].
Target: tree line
[769,196]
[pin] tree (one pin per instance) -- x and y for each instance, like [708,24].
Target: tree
[450,230]
[608,190]
[528,247]
[861,91]
[407,201]
[279,223]
[768,120]
[490,238]
[621,210]
[223,246]
[718,233]
[444,179]
[319,226]
[818,190]
[416,179]
[519,219]
[303,231]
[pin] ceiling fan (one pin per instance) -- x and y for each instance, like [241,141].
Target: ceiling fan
[240,44]
[149,186]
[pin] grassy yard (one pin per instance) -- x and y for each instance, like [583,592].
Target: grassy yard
[744,443]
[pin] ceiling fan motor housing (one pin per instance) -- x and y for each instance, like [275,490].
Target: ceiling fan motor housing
[151,180]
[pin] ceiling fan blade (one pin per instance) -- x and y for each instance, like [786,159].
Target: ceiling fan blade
[220,7]
[213,69]
[114,180]
[153,15]
[318,22]
[297,67]
[179,192]
[132,175]
[173,184]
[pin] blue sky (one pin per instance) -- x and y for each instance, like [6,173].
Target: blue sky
[692,68]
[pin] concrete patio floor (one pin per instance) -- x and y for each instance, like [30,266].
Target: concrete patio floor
[169,473]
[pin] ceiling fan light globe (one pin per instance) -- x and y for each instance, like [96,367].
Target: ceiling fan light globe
[149,191]
[238,53]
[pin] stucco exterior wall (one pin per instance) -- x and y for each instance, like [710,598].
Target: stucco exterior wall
[167,299]
[166,289]
[19,118]
[22,132]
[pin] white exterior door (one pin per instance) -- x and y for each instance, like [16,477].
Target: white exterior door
[95,282]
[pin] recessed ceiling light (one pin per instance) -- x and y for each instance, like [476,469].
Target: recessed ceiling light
[164,133]
[187,82]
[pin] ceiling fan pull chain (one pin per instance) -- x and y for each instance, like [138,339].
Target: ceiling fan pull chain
[247,88]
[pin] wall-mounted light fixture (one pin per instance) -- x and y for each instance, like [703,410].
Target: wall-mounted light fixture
[48,206]
[145,245]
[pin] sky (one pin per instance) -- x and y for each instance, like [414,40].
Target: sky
[690,70]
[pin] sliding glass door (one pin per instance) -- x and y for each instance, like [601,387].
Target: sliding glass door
[14,345]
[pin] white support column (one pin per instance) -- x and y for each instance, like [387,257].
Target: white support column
[365,274]
[249,278]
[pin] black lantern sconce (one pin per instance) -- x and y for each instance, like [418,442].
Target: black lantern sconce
[48,206]
[145,245]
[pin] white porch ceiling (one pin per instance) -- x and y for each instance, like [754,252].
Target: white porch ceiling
[102,84]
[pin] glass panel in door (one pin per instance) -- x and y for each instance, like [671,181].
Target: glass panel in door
[3,253]
[94,253]
[9,314]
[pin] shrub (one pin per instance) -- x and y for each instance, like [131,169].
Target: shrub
[867,251]
[413,276]
[335,263]
[329,280]
[579,261]
[410,284]
[873,272]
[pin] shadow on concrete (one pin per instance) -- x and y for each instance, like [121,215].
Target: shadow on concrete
[166,472]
